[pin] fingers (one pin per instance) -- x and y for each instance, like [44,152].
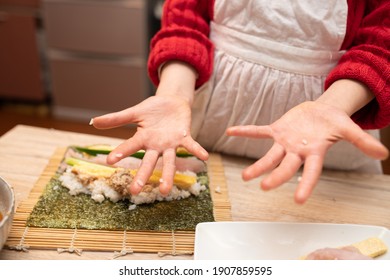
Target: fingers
[310,176]
[116,119]
[270,161]
[169,169]
[371,146]
[252,131]
[130,146]
[195,148]
[144,172]
[149,161]
[365,142]
[287,168]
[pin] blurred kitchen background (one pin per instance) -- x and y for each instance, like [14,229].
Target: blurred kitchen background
[65,61]
[69,60]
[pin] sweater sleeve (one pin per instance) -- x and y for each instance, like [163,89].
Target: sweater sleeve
[367,60]
[183,36]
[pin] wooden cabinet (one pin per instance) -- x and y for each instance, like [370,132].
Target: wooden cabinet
[104,27]
[20,66]
[97,55]
[20,3]
[86,87]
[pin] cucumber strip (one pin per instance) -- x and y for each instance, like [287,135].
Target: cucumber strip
[140,154]
[76,161]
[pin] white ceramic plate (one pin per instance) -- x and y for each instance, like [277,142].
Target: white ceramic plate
[277,241]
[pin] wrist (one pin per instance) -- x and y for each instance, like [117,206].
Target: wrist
[177,79]
[347,95]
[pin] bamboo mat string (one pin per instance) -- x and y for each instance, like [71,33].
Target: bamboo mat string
[71,248]
[21,246]
[174,252]
[164,243]
[124,250]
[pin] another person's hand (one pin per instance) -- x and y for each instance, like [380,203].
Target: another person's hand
[302,136]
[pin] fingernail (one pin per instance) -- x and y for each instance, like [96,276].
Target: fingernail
[136,187]
[119,155]
[161,180]
[139,183]
[91,122]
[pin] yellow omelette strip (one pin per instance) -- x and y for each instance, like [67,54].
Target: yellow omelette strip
[371,247]
[182,181]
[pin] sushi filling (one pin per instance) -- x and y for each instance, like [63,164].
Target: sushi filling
[114,187]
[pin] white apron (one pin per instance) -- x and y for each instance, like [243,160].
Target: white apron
[269,57]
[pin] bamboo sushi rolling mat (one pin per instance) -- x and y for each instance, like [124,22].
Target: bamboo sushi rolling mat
[121,242]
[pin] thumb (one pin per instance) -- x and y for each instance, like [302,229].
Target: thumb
[115,119]
[365,142]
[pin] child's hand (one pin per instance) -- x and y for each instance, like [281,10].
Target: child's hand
[303,136]
[163,125]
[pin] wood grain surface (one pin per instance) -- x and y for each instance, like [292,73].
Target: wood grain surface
[340,197]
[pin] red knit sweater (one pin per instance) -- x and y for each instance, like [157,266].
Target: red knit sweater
[184,36]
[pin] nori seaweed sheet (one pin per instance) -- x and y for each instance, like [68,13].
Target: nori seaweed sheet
[56,208]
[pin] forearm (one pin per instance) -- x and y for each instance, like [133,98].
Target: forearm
[184,36]
[347,95]
[367,59]
[177,78]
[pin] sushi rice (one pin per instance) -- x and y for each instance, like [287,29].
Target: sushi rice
[99,190]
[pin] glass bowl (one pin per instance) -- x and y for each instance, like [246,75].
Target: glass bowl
[7,206]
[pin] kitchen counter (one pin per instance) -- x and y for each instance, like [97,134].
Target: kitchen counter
[340,197]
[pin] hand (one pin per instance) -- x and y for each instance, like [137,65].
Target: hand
[302,136]
[163,125]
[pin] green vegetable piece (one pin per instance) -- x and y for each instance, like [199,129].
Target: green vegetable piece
[105,150]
